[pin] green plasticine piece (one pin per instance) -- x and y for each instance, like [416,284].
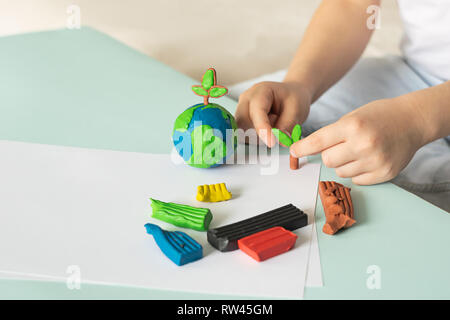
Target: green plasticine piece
[182,215]
[296,133]
[209,79]
[217,91]
[199,90]
[183,120]
[204,154]
[282,137]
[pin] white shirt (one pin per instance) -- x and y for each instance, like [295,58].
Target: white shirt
[426,39]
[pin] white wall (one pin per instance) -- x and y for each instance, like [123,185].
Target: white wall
[241,38]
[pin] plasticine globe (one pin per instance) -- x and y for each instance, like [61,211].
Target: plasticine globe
[204,135]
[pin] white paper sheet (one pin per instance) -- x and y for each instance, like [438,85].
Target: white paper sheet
[65,206]
[313,274]
[314,271]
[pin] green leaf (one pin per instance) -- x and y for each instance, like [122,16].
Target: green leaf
[209,79]
[282,137]
[198,90]
[296,133]
[217,91]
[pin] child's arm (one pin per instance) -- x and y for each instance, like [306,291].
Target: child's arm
[333,42]
[375,142]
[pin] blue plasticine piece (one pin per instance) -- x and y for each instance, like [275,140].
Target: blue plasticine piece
[177,245]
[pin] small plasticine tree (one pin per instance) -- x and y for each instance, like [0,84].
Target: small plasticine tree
[209,87]
[288,141]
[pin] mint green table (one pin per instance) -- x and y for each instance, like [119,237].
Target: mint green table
[84,89]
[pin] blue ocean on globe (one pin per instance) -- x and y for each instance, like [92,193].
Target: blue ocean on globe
[204,135]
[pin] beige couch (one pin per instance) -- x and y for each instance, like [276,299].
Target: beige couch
[242,39]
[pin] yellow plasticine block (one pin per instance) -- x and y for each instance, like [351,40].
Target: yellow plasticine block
[213,193]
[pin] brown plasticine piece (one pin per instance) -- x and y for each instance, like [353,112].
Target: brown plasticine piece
[293,162]
[338,206]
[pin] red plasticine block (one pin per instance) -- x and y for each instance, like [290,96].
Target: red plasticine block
[267,243]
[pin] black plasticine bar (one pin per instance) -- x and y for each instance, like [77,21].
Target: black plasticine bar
[225,238]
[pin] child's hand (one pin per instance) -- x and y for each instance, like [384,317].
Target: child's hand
[273,104]
[371,144]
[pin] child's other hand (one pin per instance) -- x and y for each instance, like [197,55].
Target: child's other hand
[273,104]
[371,144]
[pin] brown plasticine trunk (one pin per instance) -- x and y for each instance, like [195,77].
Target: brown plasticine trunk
[338,206]
[293,162]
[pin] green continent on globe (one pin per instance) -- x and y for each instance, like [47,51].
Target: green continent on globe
[183,120]
[226,115]
[207,149]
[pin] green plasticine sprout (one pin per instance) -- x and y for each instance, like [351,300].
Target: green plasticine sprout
[209,88]
[285,139]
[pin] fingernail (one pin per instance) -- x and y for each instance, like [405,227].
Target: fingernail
[293,153]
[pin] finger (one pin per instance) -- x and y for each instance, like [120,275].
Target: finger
[243,122]
[288,117]
[259,107]
[318,141]
[242,117]
[338,155]
[351,169]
